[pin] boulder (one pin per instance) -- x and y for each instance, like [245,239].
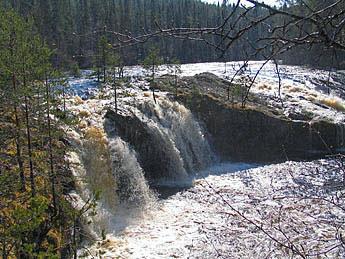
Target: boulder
[260,136]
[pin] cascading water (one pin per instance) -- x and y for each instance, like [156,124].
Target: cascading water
[178,123]
[170,143]
[132,187]
[108,167]
[116,158]
[109,164]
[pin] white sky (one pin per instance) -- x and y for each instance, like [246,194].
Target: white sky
[270,2]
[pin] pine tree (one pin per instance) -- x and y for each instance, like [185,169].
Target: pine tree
[116,65]
[151,64]
[175,70]
[35,218]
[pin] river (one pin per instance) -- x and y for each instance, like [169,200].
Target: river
[203,207]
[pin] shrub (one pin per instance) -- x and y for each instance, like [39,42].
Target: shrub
[265,86]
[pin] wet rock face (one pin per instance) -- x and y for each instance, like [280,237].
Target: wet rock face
[169,142]
[153,158]
[259,134]
[236,134]
[137,134]
[249,135]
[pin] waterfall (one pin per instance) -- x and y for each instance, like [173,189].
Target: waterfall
[187,136]
[116,158]
[170,143]
[97,219]
[132,187]
[107,168]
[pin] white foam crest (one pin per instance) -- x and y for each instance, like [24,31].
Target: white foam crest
[132,187]
[112,170]
[95,223]
[186,135]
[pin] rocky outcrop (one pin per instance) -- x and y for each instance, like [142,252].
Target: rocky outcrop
[169,142]
[154,151]
[258,136]
[137,134]
[258,133]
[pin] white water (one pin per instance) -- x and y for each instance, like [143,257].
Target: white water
[303,90]
[111,165]
[319,79]
[180,134]
[181,226]
[132,188]
[108,167]
[105,163]
[197,223]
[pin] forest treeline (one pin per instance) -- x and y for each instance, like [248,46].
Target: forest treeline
[73,28]
[40,37]
[37,219]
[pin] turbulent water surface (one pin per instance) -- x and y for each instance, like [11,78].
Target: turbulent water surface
[200,208]
[222,217]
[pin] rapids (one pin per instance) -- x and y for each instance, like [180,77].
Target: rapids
[177,210]
[104,163]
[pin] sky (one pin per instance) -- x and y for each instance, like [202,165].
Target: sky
[270,2]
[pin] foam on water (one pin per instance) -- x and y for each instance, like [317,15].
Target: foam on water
[179,125]
[111,166]
[132,187]
[196,223]
[107,164]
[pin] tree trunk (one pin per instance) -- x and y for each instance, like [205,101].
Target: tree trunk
[115,91]
[75,255]
[51,159]
[175,84]
[28,132]
[104,73]
[64,100]
[103,56]
[153,83]
[4,253]
[17,133]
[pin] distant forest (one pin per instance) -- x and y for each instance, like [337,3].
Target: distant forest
[73,28]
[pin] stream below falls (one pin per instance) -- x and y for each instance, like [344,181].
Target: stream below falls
[206,220]
[169,196]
